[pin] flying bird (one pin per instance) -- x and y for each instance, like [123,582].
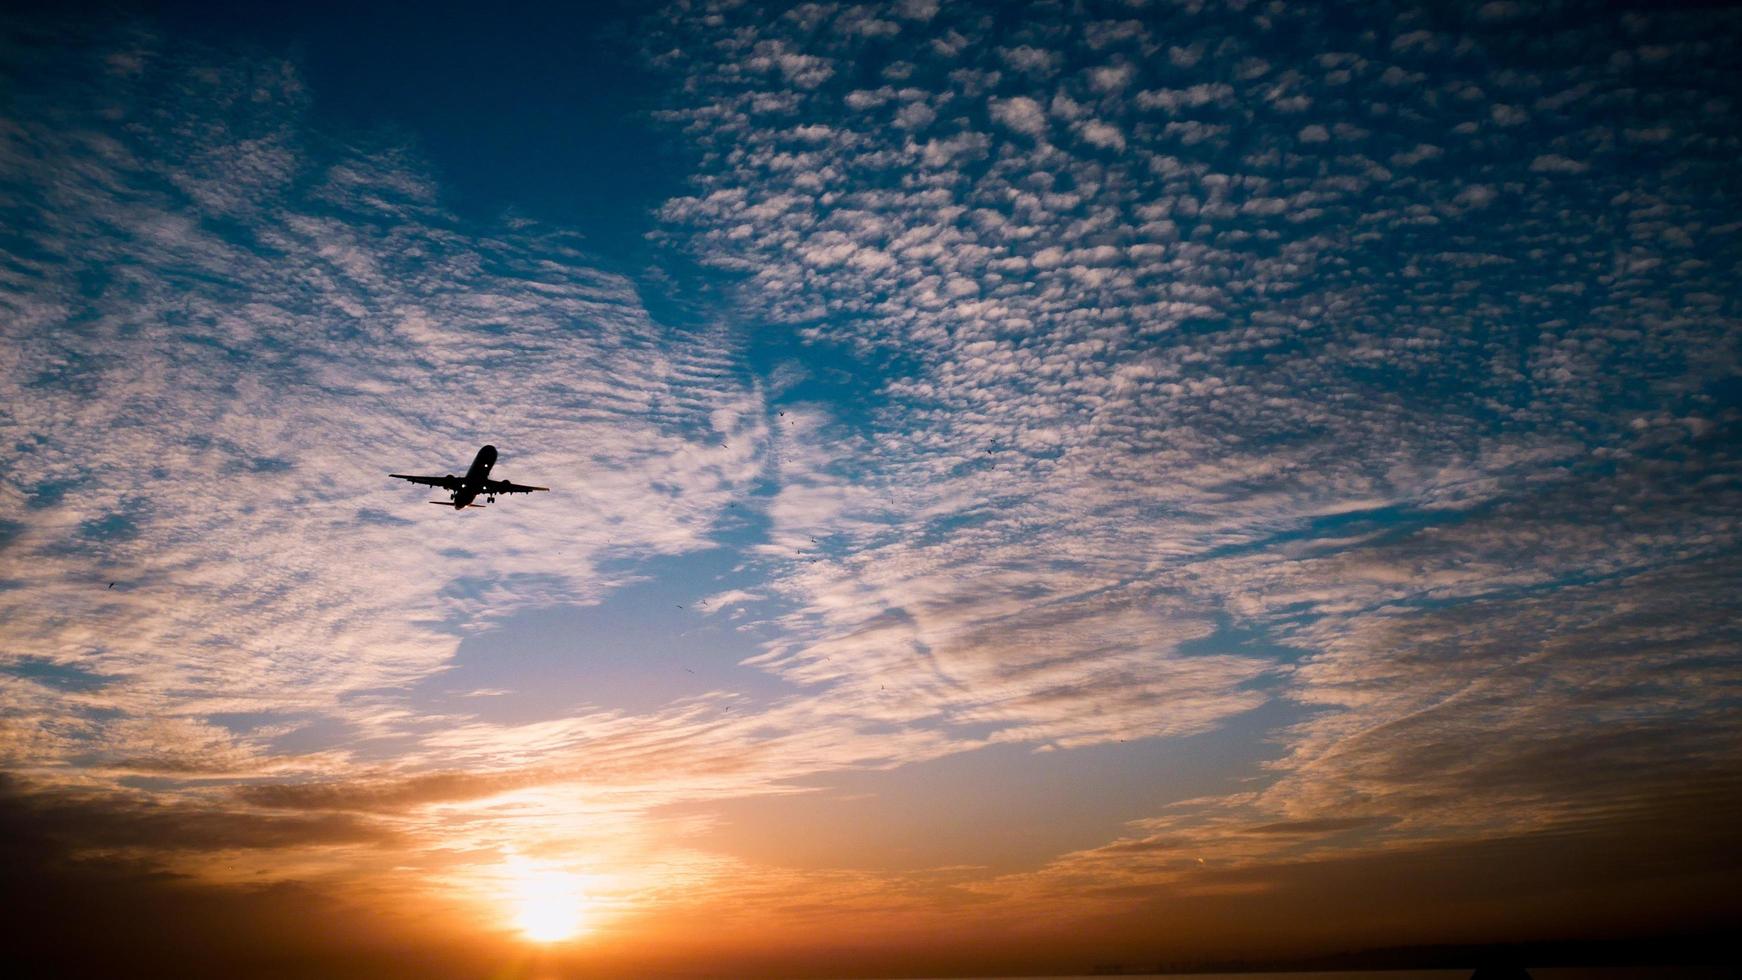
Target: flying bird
[462,490]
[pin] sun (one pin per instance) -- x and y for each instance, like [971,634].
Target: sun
[547,905]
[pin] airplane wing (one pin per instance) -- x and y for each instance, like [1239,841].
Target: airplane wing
[445,482]
[503,486]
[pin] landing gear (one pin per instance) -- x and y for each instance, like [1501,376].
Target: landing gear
[490,499]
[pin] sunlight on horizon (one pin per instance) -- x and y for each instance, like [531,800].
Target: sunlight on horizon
[545,904]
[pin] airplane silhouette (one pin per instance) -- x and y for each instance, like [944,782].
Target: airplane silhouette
[462,490]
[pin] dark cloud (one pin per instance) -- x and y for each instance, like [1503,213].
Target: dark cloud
[1308,828]
[86,895]
[106,821]
[382,795]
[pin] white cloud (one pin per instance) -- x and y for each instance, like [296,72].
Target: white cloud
[1506,115]
[1173,100]
[1422,151]
[915,115]
[1021,114]
[920,10]
[1030,59]
[1476,196]
[1102,134]
[1111,78]
[1554,163]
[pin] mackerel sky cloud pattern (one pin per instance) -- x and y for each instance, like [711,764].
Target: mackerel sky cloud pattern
[1403,343]
[1350,396]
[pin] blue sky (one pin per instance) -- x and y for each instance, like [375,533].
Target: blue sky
[1108,454]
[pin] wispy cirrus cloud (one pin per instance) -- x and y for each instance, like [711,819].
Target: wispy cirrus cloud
[223,332]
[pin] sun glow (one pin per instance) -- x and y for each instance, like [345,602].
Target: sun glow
[547,905]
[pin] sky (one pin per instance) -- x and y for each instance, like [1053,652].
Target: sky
[1033,485]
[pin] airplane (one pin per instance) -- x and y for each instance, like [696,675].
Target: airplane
[462,490]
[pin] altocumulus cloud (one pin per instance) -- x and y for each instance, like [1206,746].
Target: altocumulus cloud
[1384,346]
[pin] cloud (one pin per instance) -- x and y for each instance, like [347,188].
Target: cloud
[1554,163]
[1213,375]
[1026,58]
[229,333]
[1022,114]
[921,10]
[1476,196]
[1105,135]
[1421,152]
[105,822]
[1238,396]
[1111,78]
[1506,115]
[1498,11]
[1192,97]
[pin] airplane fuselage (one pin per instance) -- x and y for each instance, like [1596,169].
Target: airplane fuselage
[473,482]
[464,490]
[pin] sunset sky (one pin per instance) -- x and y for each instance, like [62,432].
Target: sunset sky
[1033,485]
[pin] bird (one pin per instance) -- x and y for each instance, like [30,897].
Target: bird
[688,671]
[111,585]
